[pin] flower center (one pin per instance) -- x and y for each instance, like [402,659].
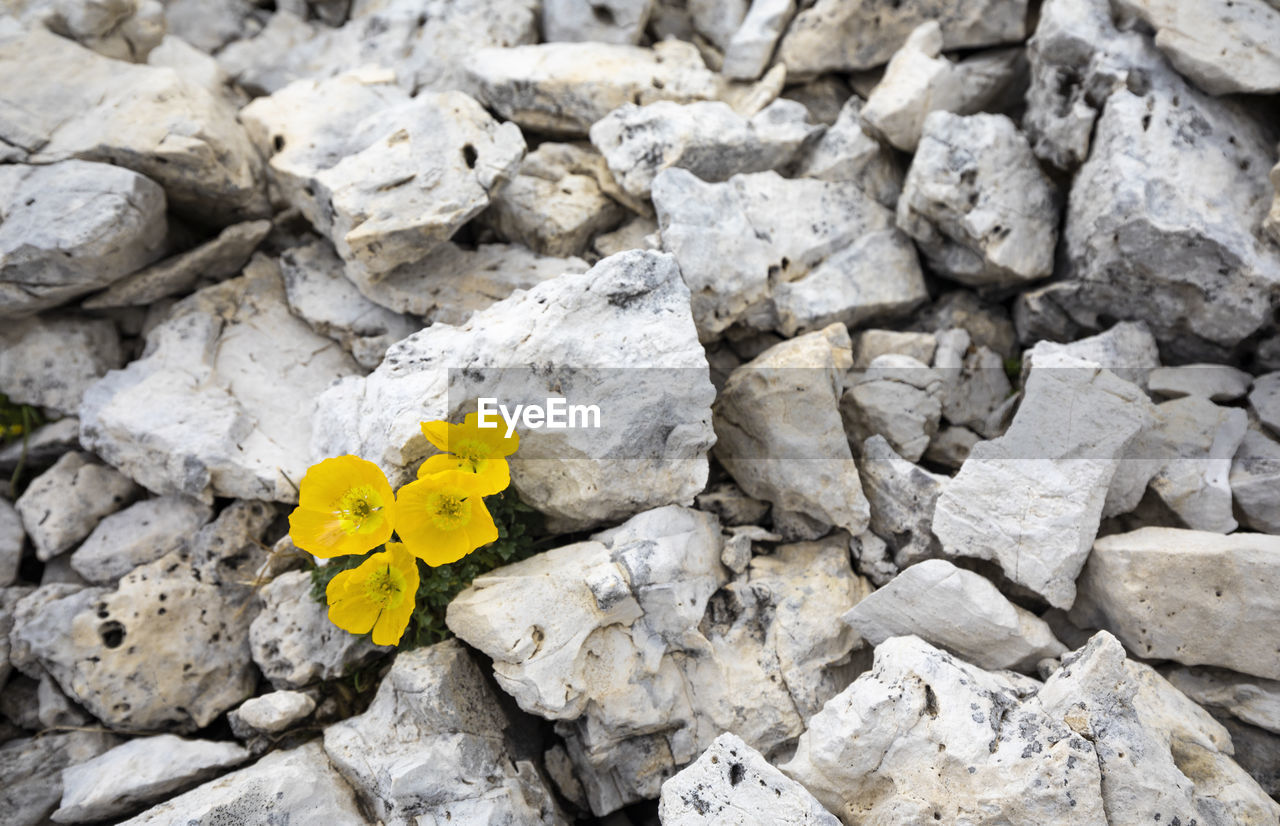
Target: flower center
[473,453]
[449,510]
[385,587]
[359,510]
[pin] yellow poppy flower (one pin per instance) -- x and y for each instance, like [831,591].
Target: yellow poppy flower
[472,449]
[345,506]
[378,596]
[441,518]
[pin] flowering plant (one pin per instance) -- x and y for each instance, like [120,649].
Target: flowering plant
[346,508]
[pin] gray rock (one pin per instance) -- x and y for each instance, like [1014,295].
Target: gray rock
[1272,222]
[141,771]
[951,446]
[896,397]
[982,217]
[957,610]
[49,362]
[1215,382]
[293,641]
[1264,399]
[987,324]
[1194,441]
[194,65]
[220,257]
[639,233]
[731,505]
[975,388]
[384,176]
[1255,482]
[209,27]
[868,344]
[141,533]
[64,101]
[604,21]
[218,404]
[121,29]
[845,152]
[1127,349]
[71,228]
[824,97]
[32,767]
[42,447]
[1253,700]
[779,432]
[563,88]
[629,311]
[9,597]
[717,20]
[63,505]
[270,713]
[1257,752]
[1179,594]
[833,35]
[12,537]
[431,748]
[902,497]
[732,784]
[751,47]
[298,787]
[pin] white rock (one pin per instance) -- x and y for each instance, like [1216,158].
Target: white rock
[732,784]
[32,766]
[749,50]
[708,138]
[957,610]
[717,20]
[1255,482]
[1032,499]
[319,292]
[141,533]
[1222,46]
[1194,597]
[298,787]
[193,65]
[1255,701]
[209,27]
[121,29]
[12,536]
[1272,222]
[951,446]
[629,311]
[384,176]
[1265,400]
[639,233]
[845,152]
[71,228]
[431,748]
[902,498]
[833,35]
[9,597]
[48,362]
[293,641]
[63,101]
[218,405]
[896,397]
[141,771]
[868,344]
[63,505]
[563,88]
[977,203]
[44,446]
[1195,440]
[779,432]
[270,713]
[974,384]
[920,80]
[1216,382]
[603,21]
[1127,349]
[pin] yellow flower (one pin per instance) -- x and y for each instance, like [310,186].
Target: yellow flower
[345,506]
[472,449]
[379,595]
[442,517]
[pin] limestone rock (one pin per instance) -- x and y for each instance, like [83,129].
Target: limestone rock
[563,88]
[732,784]
[49,362]
[9,597]
[12,537]
[1252,700]
[1195,441]
[128,777]
[975,388]
[750,48]
[957,610]
[1127,349]
[779,433]
[141,533]
[32,767]
[868,344]
[122,29]
[43,447]
[63,504]
[384,176]
[629,311]
[603,21]
[902,498]
[208,27]
[1215,382]
[218,405]
[639,233]
[730,505]
[898,398]
[1032,499]
[834,35]
[63,101]
[977,203]
[69,229]
[987,324]
[1255,482]
[708,138]
[951,446]
[298,787]
[270,713]
[1265,400]
[845,152]
[431,748]
[293,641]
[717,20]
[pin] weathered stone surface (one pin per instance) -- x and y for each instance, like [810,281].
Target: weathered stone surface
[194,65]
[138,772]
[957,610]
[792,255]
[896,397]
[32,767]
[298,787]
[708,138]
[845,152]
[12,537]
[141,533]
[868,344]
[751,47]
[270,713]
[1032,499]
[1255,701]
[1127,349]
[639,233]
[44,446]
[779,431]
[1265,400]
[629,311]
[563,88]
[63,504]
[602,21]
[1222,46]
[717,20]
[71,228]
[63,101]
[1216,382]
[920,80]
[902,498]
[834,35]
[218,405]
[49,362]
[732,784]
[1194,597]
[9,597]
[207,26]
[1255,482]
[319,292]
[731,505]
[987,324]
[951,446]
[977,203]
[294,643]
[121,29]
[384,176]
[1195,440]
[220,257]
[431,748]
[976,392]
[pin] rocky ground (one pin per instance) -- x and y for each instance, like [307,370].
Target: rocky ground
[939,351]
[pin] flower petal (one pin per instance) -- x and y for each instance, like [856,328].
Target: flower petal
[326,482]
[495,437]
[437,434]
[480,530]
[349,609]
[322,534]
